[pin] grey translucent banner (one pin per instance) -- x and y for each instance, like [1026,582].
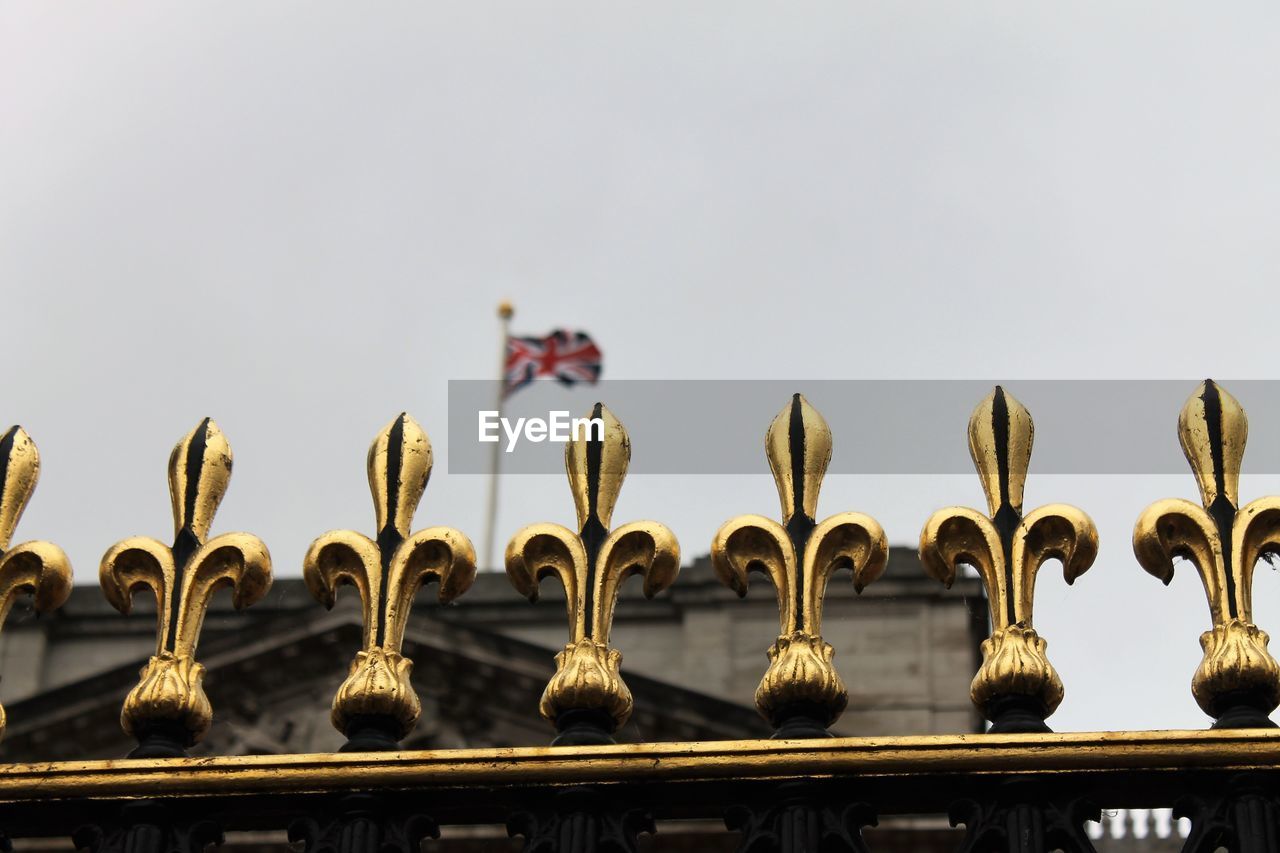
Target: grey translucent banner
[878,426]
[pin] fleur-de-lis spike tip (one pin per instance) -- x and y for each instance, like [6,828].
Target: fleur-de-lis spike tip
[1238,681]
[399,465]
[1016,687]
[377,706]
[586,699]
[1001,433]
[798,447]
[199,473]
[37,568]
[801,692]
[596,469]
[168,710]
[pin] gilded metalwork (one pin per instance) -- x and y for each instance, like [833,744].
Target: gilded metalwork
[358,801]
[1016,788]
[799,556]
[1016,686]
[1238,681]
[387,574]
[168,709]
[952,757]
[592,564]
[38,568]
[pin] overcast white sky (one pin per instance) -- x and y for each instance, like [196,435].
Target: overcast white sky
[298,217]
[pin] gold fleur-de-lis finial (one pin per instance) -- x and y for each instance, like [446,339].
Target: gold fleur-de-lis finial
[168,710]
[801,693]
[1238,681]
[587,699]
[38,568]
[1016,687]
[377,706]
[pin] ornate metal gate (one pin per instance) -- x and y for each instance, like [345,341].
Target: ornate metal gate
[1017,787]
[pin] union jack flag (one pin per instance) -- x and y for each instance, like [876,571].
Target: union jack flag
[569,357]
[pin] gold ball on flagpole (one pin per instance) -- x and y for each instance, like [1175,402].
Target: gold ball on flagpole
[506,309]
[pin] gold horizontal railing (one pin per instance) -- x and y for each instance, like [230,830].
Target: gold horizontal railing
[850,759]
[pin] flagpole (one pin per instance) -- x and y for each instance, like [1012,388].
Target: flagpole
[505,312]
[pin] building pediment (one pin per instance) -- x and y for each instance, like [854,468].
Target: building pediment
[271,686]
